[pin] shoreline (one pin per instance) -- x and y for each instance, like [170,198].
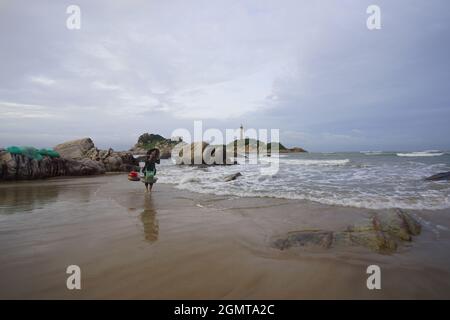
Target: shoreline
[183,245]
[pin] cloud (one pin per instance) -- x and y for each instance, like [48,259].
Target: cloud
[18,111]
[44,81]
[309,68]
[104,86]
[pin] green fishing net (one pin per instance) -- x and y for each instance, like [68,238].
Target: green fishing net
[32,152]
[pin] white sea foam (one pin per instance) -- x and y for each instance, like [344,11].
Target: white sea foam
[310,162]
[372,153]
[431,153]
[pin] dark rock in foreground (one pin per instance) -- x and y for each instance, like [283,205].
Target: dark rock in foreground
[77,158]
[439,177]
[383,234]
[20,167]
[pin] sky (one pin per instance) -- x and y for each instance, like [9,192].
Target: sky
[311,69]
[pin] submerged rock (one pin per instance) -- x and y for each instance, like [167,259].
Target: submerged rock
[310,238]
[232,177]
[372,237]
[383,234]
[439,177]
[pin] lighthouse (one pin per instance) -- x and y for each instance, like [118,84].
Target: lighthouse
[242,132]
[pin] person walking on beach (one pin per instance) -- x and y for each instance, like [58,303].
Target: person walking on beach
[149,169]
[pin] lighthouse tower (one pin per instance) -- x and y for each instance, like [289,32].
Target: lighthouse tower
[242,132]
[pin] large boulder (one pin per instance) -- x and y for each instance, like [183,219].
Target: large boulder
[201,153]
[109,159]
[75,149]
[84,167]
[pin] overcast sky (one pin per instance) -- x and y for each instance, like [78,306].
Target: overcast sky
[309,68]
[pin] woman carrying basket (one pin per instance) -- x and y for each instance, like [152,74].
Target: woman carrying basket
[149,169]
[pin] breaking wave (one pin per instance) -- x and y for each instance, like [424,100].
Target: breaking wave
[356,180]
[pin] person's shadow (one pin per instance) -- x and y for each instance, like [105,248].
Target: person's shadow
[149,221]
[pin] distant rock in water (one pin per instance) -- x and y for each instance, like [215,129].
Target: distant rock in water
[246,146]
[201,153]
[283,149]
[240,147]
[114,161]
[439,177]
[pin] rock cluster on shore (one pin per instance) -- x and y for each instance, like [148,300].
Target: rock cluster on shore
[21,167]
[77,158]
[383,234]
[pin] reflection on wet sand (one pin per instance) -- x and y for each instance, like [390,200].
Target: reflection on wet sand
[149,221]
[25,198]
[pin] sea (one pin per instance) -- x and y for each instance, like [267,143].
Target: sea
[367,179]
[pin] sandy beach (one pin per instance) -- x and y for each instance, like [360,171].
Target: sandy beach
[183,245]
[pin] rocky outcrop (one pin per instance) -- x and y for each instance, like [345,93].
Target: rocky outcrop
[21,167]
[283,149]
[247,145]
[84,149]
[75,149]
[439,177]
[383,234]
[149,141]
[293,150]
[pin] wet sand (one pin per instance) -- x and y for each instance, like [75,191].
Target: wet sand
[178,244]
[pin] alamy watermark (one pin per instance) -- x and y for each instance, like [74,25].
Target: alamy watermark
[374,280]
[74,280]
[73,22]
[374,20]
